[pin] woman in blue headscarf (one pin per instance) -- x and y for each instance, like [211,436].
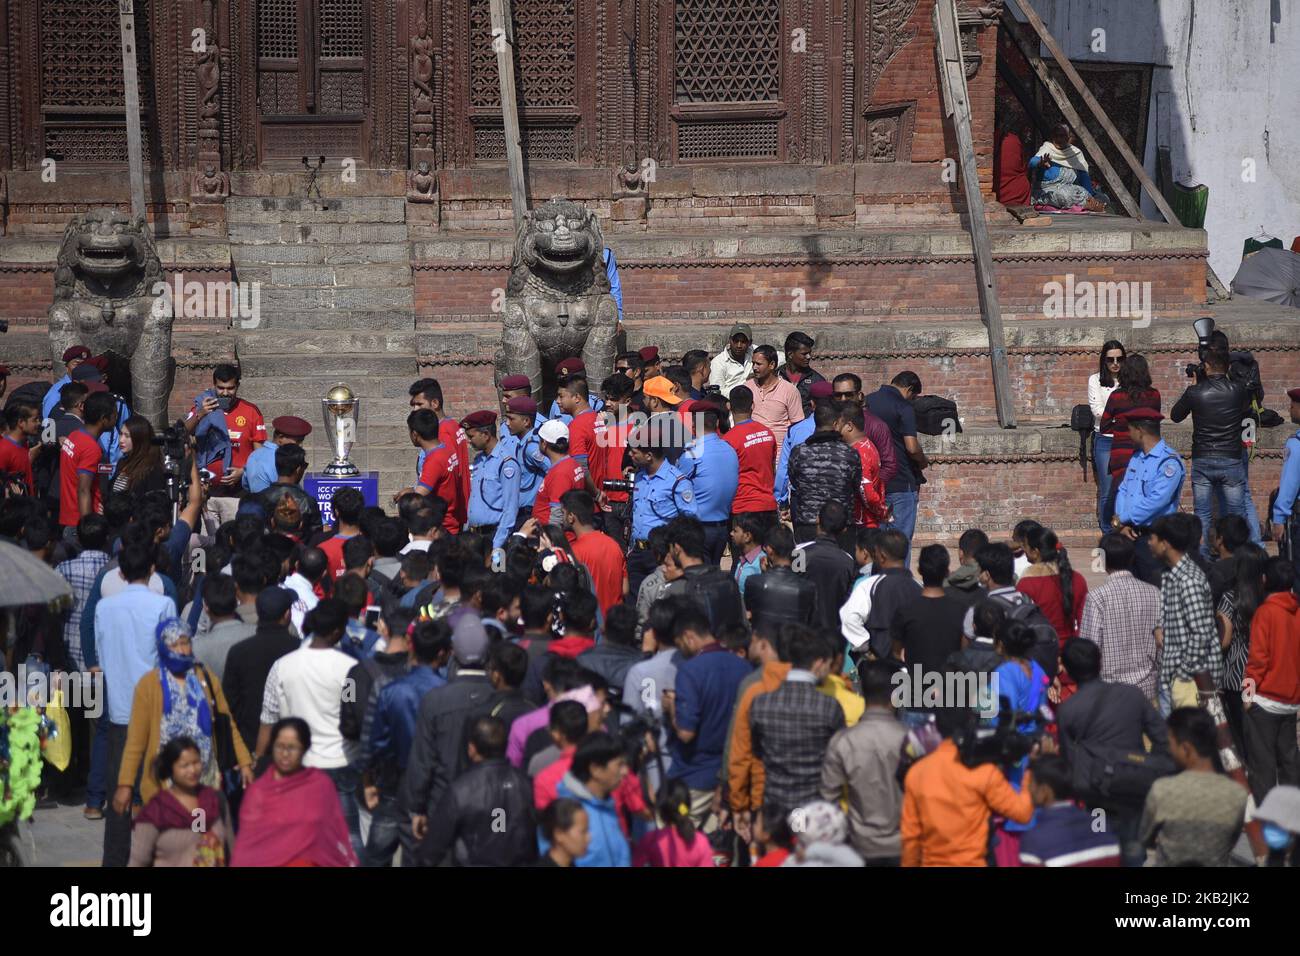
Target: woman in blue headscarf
[179,699]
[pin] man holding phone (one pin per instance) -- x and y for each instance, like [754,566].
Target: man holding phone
[241,426]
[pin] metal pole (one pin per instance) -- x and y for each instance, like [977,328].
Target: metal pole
[131,84]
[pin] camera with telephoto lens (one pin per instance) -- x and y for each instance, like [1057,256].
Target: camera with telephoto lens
[616,484]
[1002,742]
[1204,329]
[174,442]
[713,393]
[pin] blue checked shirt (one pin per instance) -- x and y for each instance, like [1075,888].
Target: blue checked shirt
[1191,638]
[80,572]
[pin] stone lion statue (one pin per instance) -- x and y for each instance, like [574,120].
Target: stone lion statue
[557,303]
[104,298]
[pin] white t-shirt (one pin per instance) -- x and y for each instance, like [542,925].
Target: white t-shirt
[416,544]
[310,683]
[1097,396]
[307,598]
[114,583]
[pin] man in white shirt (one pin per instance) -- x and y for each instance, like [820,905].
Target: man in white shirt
[310,683]
[311,566]
[735,363]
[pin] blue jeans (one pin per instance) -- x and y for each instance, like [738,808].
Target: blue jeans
[389,829]
[903,504]
[1101,460]
[1220,481]
[96,794]
[1251,512]
[346,780]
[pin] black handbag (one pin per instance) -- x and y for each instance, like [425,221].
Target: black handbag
[223,734]
[1083,422]
[1112,776]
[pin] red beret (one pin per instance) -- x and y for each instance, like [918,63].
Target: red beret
[93,387]
[99,361]
[821,390]
[291,426]
[1142,415]
[514,383]
[480,419]
[569,366]
[1294,394]
[523,405]
[76,352]
[649,354]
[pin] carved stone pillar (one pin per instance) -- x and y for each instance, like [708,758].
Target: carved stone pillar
[422,179]
[209,183]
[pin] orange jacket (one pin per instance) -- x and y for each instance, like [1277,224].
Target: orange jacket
[946,808]
[745,776]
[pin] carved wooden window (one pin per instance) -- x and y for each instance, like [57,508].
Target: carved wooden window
[83,111]
[727,73]
[546,79]
[311,57]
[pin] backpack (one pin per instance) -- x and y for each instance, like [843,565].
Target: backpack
[1047,644]
[936,415]
[1083,422]
[33,393]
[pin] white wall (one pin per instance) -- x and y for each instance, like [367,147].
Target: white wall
[1226,88]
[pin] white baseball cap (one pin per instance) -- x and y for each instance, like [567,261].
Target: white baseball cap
[553,432]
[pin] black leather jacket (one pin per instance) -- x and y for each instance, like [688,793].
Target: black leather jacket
[485,818]
[780,596]
[716,592]
[1218,407]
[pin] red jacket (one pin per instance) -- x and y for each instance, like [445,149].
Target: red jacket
[1273,667]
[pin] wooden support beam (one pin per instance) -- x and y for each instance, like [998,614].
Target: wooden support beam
[1071,74]
[131,84]
[1090,144]
[503,41]
[952,72]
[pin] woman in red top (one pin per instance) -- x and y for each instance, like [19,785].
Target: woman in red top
[1134,391]
[1057,589]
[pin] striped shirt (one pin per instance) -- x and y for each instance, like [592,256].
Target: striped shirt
[1120,617]
[80,572]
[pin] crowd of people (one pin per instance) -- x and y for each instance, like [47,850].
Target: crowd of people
[671,619]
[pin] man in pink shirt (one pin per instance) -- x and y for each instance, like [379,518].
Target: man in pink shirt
[776,402]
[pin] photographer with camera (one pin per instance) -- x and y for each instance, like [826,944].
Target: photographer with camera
[1218,406]
[947,803]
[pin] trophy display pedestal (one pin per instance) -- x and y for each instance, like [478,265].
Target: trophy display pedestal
[321,487]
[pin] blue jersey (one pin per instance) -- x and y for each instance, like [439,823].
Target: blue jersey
[1288,488]
[659,498]
[1151,487]
[52,397]
[615,287]
[797,435]
[259,470]
[494,491]
[714,470]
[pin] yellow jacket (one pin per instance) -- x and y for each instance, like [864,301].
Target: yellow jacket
[837,686]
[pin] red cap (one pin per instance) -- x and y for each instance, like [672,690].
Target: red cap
[523,405]
[649,354]
[480,419]
[291,426]
[821,390]
[569,366]
[515,383]
[99,361]
[76,352]
[93,387]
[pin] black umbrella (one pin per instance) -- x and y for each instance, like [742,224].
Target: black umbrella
[1270,274]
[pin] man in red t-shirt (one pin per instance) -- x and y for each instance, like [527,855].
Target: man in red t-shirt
[598,551]
[586,430]
[438,476]
[346,507]
[427,393]
[22,422]
[82,460]
[617,391]
[247,431]
[565,473]
[755,448]
[869,507]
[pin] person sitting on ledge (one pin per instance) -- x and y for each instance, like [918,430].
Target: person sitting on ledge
[1060,175]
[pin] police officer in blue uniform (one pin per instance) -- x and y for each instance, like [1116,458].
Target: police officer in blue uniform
[1286,505]
[1151,488]
[493,480]
[714,470]
[259,470]
[660,492]
[522,422]
[515,386]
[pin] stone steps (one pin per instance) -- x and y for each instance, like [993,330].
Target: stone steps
[297,209]
[248,256]
[332,321]
[338,275]
[277,233]
[347,298]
